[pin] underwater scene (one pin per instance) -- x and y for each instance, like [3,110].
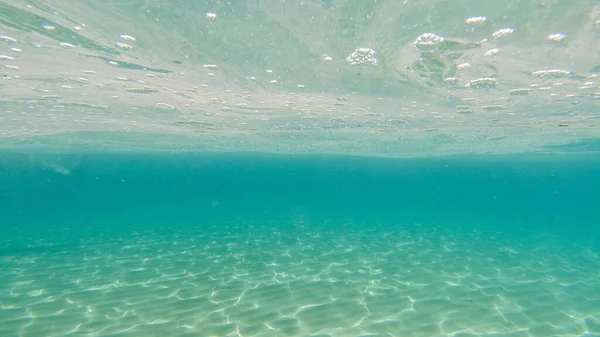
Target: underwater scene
[413,168]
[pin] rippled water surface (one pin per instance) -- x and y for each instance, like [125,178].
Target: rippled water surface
[388,78]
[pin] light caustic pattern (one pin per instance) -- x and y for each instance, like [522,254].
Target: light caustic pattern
[388,78]
[302,280]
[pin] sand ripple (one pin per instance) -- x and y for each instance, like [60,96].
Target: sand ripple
[298,281]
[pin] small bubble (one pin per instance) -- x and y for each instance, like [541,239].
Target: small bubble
[11,67]
[464,109]
[463,66]
[492,52]
[274,82]
[327,58]
[48,27]
[502,32]
[552,73]
[77,28]
[123,45]
[7,38]
[165,106]
[211,16]
[520,92]
[558,37]
[125,37]
[493,107]
[16,49]
[6,57]
[66,45]
[210,66]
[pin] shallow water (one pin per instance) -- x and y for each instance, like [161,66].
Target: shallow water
[299,168]
[269,245]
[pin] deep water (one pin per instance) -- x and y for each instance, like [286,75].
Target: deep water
[104,192]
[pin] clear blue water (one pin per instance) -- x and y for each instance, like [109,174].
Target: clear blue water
[469,246]
[135,201]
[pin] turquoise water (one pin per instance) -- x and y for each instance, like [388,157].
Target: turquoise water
[272,245]
[411,168]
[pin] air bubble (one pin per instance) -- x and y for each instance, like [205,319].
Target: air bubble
[165,106]
[502,32]
[7,38]
[123,45]
[125,37]
[558,37]
[211,16]
[492,52]
[520,92]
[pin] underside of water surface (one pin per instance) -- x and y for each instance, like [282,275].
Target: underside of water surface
[300,168]
[383,78]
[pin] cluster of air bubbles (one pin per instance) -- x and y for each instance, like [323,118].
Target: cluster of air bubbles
[211,16]
[552,73]
[428,42]
[520,92]
[485,82]
[476,20]
[362,55]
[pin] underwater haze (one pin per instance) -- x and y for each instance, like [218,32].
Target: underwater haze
[315,168]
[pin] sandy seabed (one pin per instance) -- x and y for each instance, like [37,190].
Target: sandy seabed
[302,280]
